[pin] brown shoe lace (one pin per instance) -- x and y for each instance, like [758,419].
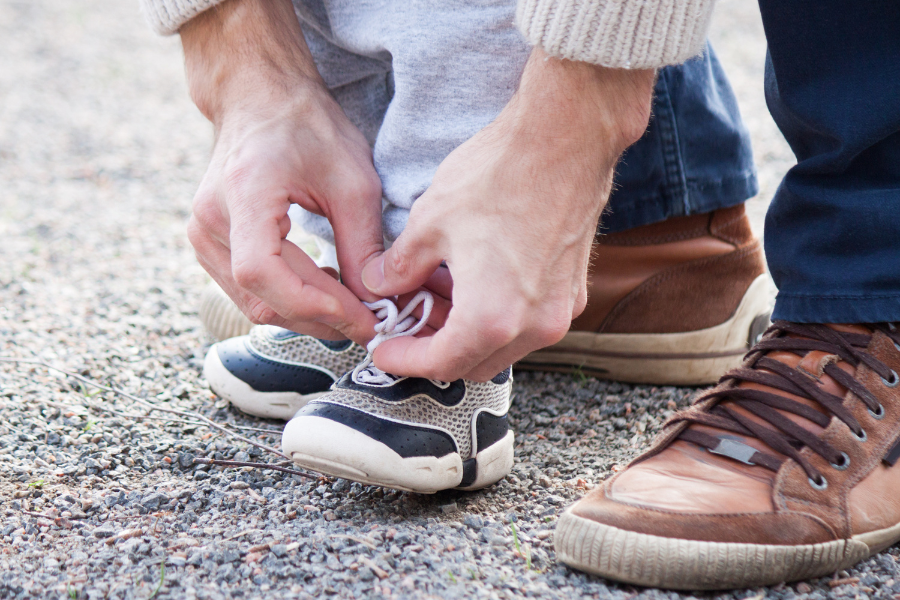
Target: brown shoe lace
[785,436]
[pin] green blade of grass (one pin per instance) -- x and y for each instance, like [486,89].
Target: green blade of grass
[162,579]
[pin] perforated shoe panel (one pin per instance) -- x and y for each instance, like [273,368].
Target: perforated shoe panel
[275,343]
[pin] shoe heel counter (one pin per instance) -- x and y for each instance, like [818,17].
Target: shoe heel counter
[689,297]
[732,225]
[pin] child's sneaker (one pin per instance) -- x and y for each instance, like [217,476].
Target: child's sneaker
[406,433]
[273,372]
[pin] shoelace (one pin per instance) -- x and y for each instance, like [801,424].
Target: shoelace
[394,323]
[785,436]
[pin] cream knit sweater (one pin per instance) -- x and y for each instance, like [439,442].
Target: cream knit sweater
[625,34]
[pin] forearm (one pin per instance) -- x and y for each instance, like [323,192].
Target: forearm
[244,54]
[596,112]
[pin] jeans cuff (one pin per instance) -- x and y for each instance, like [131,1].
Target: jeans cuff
[702,197]
[801,308]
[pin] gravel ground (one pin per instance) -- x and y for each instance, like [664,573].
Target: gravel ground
[100,151]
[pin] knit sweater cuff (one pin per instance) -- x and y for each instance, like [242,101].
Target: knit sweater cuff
[621,34]
[167,16]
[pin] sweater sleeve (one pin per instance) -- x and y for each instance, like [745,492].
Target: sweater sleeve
[621,34]
[167,16]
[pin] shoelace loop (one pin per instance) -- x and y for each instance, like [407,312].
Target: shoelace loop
[394,323]
[785,436]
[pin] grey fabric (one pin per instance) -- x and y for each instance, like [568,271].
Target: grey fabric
[418,78]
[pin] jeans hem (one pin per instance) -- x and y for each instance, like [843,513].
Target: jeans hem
[702,196]
[876,308]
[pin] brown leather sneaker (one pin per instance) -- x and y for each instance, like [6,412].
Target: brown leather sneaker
[678,303]
[784,471]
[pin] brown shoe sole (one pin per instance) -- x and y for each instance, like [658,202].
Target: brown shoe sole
[678,564]
[221,316]
[691,358]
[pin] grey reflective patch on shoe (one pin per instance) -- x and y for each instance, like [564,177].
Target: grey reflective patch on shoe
[758,327]
[734,450]
[893,455]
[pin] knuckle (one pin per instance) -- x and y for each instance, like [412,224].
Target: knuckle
[500,331]
[580,305]
[196,234]
[259,313]
[401,258]
[552,329]
[205,209]
[246,274]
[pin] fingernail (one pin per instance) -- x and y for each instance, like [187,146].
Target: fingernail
[373,275]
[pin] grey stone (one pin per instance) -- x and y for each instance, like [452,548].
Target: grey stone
[104,532]
[154,500]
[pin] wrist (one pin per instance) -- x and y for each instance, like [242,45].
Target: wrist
[245,55]
[561,100]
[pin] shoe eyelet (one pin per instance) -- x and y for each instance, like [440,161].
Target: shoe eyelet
[845,462]
[862,437]
[895,380]
[818,485]
[877,414]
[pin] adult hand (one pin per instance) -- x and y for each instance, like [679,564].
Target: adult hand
[280,139]
[513,212]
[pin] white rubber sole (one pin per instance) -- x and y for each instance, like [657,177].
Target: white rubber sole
[269,405]
[221,317]
[654,561]
[335,449]
[691,358]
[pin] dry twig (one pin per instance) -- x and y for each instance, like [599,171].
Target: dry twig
[256,465]
[142,402]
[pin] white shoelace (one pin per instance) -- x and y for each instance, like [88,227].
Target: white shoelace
[394,323]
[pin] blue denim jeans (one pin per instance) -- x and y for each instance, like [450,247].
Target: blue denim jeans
[833,230]
[695,156]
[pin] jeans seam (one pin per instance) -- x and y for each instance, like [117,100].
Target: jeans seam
[676,183]
[837,296]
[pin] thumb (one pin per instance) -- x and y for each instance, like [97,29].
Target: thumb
[408,264]
[357,238]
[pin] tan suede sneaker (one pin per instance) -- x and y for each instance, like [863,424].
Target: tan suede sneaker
[786,470]
[678,302]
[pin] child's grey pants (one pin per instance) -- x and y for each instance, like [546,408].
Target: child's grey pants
[420,77]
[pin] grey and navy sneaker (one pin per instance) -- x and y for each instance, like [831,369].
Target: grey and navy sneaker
[406,433]
[274,372]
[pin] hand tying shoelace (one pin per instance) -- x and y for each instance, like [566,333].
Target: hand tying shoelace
[394,323]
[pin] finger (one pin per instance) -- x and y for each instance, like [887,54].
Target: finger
[260,257]
[472,332]
[216,260]
[440,282]
[433,357]
[480,337]
[353,319]
[439,310]
[407,264]
[356,222]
